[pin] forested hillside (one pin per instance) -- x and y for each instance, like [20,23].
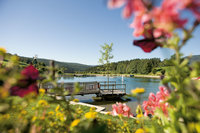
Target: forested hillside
[140,66]
[70,67]
[195,58]
[135,66]
[66,67]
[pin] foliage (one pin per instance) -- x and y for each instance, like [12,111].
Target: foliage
[136,66]
[42,64]
[38,112]
[33,112]
[158,24]
[106,56]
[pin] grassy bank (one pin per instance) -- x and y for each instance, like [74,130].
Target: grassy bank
[113,123]
[114,75]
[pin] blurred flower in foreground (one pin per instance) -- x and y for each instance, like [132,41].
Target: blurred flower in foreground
[30,73]
[156,101]
[51,113]
[92,109]
[138,91]
[75,100]
[27,84]
[57,108]
[140,130]
[156,22]
[42,91]
[42,103]
[122,109]
[75,123]
[2,50]
[90,115]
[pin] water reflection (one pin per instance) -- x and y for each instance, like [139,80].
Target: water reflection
[147,80]
[150,84]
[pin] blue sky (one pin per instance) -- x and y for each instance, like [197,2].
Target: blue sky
[72,31]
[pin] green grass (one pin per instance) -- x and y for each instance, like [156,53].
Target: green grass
[116,119]
[102,118]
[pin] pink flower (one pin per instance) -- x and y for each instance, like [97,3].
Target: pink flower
[120,108]
[133,6]
[157,33]
[152,97]
[116,3]
[27,84]
[128,10]
[156,101]
[194,6]
[138,6]
[138,26]
[167,17]
[197,78]
[160,20]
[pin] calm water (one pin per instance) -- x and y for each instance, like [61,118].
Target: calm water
[150,84]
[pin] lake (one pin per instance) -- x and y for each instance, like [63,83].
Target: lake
[150,84]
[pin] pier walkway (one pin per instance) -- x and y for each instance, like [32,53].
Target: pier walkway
[101,89]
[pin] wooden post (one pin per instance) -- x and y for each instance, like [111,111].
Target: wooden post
[125,88]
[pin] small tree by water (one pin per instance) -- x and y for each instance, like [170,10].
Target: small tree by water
[106,56]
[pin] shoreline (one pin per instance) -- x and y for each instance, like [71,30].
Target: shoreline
[147,76]
[114,75]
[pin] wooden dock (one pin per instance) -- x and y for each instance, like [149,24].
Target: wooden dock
[112,89]
[101,89]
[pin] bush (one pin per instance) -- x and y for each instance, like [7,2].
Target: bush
[154,71]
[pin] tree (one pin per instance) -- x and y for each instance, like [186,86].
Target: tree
[35,62]
[106,56]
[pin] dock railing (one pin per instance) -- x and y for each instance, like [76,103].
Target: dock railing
[112,86]
[107,83]
[89,87]
[95,87]
[86,87]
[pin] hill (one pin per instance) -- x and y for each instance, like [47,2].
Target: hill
[69,67]
[135,66]
[194,58]
[139,66]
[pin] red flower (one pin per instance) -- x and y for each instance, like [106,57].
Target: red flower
[147,45]
[20,91]
[30,72]
[28,82]
[152,39]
